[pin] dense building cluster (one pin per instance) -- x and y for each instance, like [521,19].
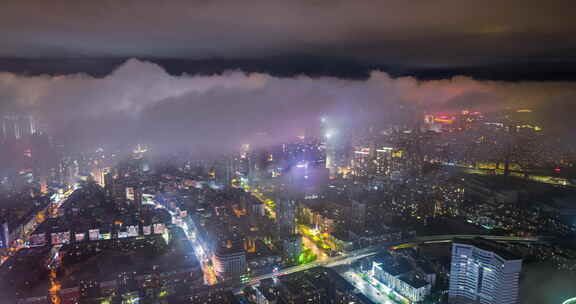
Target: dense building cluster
[340,214]
[315,286]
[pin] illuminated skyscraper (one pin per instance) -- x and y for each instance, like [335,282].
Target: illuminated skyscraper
[383,161]
[10,127]
[360,163]
[68,171]
[229,259]
[99,176]
[4,235]
[286,217]
[481,272]
[15,126]
[338,151]
[133,194]
[358,214]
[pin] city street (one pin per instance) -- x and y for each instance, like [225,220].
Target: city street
[199,251]
[309,244]
[367,289]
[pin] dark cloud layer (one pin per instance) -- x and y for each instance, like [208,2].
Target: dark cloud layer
[432,34]
[141,101]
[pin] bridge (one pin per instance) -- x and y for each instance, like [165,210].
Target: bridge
[350,257]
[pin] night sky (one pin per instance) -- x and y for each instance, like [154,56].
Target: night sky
[212,73]
[485,38]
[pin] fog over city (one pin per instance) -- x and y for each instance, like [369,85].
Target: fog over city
[141,101]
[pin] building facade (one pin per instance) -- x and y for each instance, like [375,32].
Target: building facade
[229,263]
[481,272]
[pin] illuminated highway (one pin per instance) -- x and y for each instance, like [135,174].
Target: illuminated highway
[533,175]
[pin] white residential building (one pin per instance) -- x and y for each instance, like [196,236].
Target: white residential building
[481,272]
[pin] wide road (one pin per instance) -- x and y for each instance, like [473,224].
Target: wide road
[350,257]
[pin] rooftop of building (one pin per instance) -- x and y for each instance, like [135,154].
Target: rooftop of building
[269,289]
[321,278]
[425,266]
[17,211]
[297,286]
[230,248]
[371,230]
[383,257]
[396,267]
[25,273]
[101,218]
[103,260]
[413,281]
[261,250]
[488,245]
[204,295]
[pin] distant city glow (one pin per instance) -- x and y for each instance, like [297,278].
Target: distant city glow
[444,119]
[330,134]
[385,149]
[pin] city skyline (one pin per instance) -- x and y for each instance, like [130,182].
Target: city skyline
[287,152]
[121,107]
